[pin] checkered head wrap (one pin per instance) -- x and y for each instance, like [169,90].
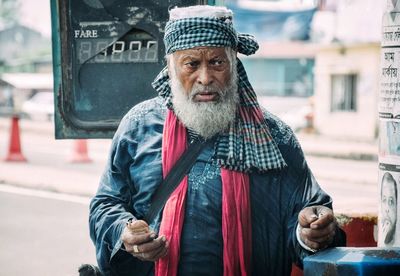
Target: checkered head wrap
[248,146]
[188,33]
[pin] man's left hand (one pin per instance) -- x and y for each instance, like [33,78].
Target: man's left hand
[317,226]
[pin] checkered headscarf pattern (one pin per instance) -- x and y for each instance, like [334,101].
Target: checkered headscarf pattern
[249,145]
[188,33]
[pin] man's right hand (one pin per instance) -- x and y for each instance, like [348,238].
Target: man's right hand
[142,243]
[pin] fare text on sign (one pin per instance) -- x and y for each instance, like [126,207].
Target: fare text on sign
[86,34]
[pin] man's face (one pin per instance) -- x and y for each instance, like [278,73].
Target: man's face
[389,210]
[203,71]
[204,88]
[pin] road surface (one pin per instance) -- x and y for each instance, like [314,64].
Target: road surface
[42,233]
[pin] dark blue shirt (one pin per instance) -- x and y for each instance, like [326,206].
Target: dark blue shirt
[201,240]
[134,171]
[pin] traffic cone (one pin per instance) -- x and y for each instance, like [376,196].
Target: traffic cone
[14,150]
[80,153]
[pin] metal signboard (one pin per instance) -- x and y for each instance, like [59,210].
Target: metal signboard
[105,54]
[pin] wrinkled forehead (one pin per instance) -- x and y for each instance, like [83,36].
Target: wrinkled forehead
[203,52]
[388,186]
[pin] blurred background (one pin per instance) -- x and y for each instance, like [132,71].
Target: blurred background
[317,69]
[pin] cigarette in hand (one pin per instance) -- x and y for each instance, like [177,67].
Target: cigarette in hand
[138,226]
[316,216]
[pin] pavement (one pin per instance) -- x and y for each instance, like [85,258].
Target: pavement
[323,146]
[49,165]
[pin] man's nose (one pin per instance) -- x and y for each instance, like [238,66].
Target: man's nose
[205,76]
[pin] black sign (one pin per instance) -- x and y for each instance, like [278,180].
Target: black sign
[106,54]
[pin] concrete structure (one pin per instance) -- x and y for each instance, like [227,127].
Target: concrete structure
[346,90]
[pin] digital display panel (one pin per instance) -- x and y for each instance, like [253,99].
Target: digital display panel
[136,46]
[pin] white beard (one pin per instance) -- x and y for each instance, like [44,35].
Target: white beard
[205,118]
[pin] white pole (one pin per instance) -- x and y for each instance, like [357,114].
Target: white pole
[389,128]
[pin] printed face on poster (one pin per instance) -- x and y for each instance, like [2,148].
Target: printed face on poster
[388,222]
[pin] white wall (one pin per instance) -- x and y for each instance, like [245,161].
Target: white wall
[363,60]
[359,20]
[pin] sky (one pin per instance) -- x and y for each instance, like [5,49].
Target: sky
[36,15]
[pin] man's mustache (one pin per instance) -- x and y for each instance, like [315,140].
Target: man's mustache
[200,89]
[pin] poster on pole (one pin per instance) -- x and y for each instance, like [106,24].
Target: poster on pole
[389,216]
[389,96]
[389,142]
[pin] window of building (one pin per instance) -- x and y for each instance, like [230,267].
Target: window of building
[281,77]
[343,92]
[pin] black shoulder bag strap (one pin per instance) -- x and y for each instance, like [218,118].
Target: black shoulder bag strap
[174,178]
[124,263]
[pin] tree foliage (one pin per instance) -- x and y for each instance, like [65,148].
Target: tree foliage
[8,12]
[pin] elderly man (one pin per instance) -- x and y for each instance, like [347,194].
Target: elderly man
[249,204]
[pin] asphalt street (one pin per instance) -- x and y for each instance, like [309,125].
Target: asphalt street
[43,233]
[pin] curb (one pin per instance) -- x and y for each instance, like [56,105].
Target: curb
[349,156]
[45,188]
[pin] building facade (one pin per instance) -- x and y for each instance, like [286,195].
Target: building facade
[346,90]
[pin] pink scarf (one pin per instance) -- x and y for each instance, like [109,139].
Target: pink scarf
[236,215]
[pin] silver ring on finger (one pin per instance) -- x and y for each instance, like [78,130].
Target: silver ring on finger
[135,249]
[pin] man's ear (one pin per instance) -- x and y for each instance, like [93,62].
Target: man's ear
[169,67]
[170,63]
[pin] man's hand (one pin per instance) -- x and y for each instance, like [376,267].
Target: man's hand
[142,243]
[317,226]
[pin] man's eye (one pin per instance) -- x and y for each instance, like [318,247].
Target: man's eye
[192,63]
[217,62]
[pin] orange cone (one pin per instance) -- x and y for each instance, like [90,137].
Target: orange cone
[80,153]
[14,150]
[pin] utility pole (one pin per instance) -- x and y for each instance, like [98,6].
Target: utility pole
[389,128]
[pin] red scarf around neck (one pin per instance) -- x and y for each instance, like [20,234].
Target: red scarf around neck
[236,215]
